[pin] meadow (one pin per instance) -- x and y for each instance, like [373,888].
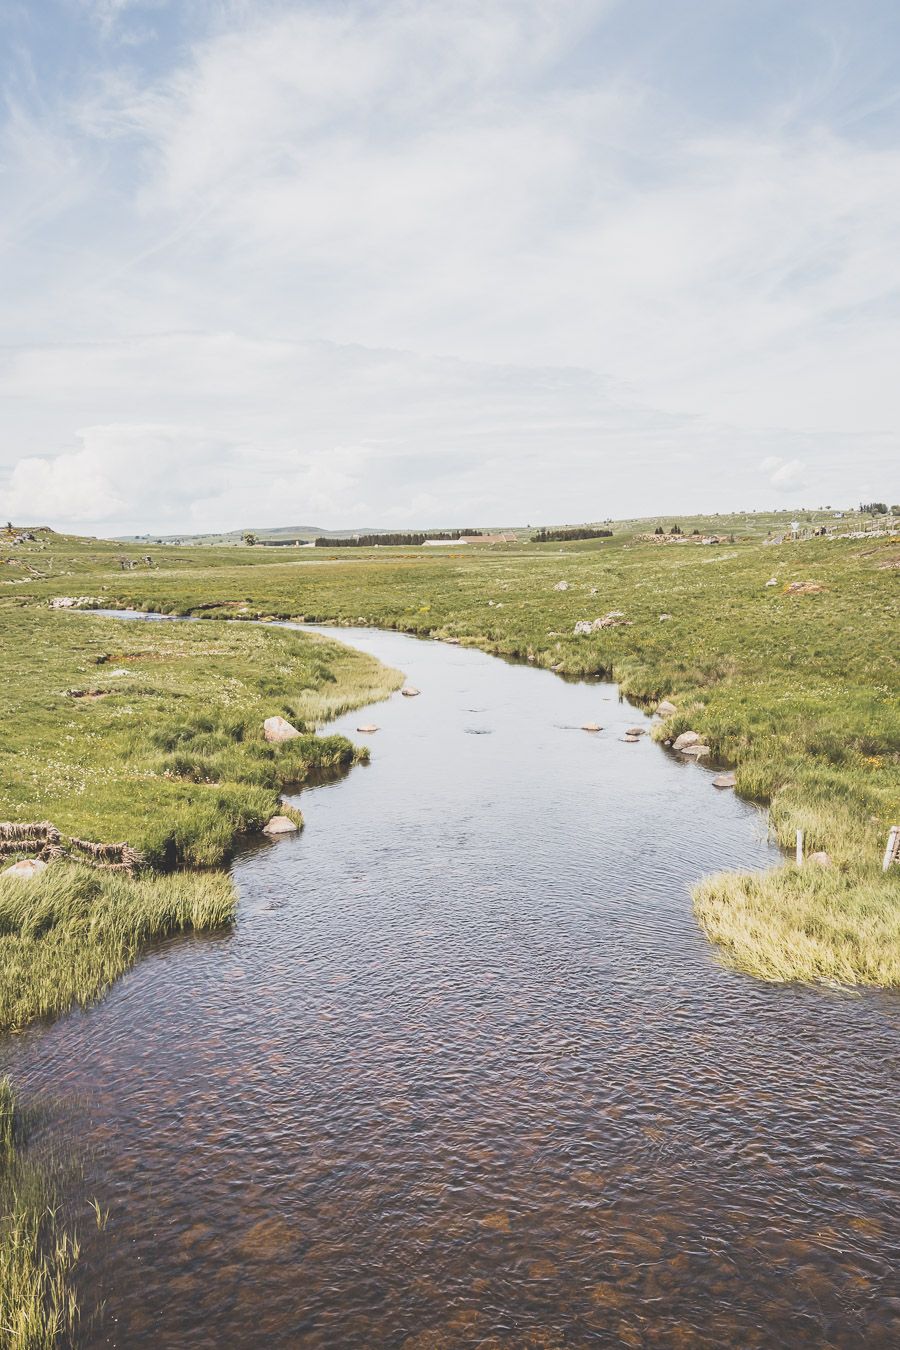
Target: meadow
[782,655]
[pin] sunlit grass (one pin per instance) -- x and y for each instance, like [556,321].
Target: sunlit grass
[804,924]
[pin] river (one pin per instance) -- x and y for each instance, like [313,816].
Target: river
[466,1073]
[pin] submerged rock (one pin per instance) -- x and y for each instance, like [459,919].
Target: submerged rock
[281,825]
[591,726]
[25,869]
[368,730]
[277,730]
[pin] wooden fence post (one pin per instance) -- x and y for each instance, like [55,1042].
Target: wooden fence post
[892,852]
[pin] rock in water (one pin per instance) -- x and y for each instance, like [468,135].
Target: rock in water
[631,740]
[685,740]
[277,730]
[410,691]
[634,731]
[367,730]
[591,726]
[697,751]
[26,869]
[724,780]
[280,825]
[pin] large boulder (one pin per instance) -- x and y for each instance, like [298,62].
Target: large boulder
[666,709]
[25,869]
[685,740]
[277,730]
[281,825]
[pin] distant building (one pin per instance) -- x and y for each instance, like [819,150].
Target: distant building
[489,539]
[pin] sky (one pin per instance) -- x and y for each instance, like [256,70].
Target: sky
[361,263]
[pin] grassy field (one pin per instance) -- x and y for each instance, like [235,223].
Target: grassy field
[799,689]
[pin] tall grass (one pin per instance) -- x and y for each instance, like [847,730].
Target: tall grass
[67,935]
[38,1307]
[804,924]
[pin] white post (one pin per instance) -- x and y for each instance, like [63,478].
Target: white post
[799,848]
[891,850]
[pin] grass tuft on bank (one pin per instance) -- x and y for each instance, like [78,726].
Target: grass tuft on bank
[68,934]
[38,1307]
[808,924]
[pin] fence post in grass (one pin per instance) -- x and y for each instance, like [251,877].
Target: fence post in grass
[892,852]
[799,848]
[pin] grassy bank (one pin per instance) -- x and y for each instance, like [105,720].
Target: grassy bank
[797,687]
[152,733]
[38,1308]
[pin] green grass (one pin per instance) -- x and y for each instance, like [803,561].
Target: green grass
[800,691]
[38,1307]
[169,756]
[68,934]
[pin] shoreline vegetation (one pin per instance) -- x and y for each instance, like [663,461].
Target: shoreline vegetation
[781,652]
[38,1254]
[151,734]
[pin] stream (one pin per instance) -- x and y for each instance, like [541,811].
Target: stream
[467,1073]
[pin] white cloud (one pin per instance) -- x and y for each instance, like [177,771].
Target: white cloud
[787,475]
[331,240]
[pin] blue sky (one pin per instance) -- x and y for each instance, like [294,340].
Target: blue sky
[411,263]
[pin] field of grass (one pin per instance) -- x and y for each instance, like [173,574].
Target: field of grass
[799,690]
[152,733]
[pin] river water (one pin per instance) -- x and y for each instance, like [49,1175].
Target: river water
[466,1073]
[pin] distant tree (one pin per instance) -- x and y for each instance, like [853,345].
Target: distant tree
[250,538]
[659,530]
[873,508]
[565,535]
[674,529]
[695,531]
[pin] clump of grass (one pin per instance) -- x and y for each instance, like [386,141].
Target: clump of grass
[38,1307]
[805,923]
[67,935]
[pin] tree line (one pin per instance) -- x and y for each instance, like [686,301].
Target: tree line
[563,536]
[393,540]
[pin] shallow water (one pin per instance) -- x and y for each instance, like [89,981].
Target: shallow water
[467,1074]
